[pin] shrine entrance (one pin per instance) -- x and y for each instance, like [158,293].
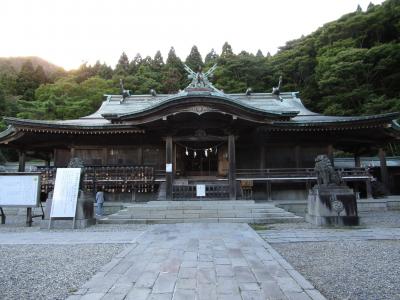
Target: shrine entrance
[198,160]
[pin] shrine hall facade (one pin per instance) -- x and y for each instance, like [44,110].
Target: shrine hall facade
[250,145]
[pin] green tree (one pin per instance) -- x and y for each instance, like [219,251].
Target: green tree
[211,58]
[40,75]
[27,81]
[104,71]
[158,62]
[66,99]
[174,75]
[226,50]
[122,66]
[259,53]
[194,59]
[135,64]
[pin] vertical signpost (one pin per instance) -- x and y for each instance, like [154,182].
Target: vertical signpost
[65,195]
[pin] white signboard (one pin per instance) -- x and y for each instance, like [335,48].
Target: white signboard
[19,190]
[65,195]
[200,190]
[168,168]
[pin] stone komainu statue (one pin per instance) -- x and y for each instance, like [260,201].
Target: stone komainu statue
[76,162]
[326,174]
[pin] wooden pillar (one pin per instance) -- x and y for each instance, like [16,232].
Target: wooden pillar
[269,190]
[168,173]
[72,152]
[262,157]
[357,160]
[105,156]
[140,155]
[232,167]
[48,160]
[297,156]
[21,160]
[330,154]
[383,167]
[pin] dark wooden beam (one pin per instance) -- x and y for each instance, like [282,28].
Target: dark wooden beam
[168,175]
[21,160]
[330,154]
[232,167]
[383,167]
[262,157]
[357,160]
[297,157]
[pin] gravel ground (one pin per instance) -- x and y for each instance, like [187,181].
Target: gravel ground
[50,271]
[389,218]
[375,219]
[348,269]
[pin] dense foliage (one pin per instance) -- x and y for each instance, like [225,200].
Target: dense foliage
[347,67]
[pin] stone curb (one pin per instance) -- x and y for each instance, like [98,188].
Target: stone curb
[311,291]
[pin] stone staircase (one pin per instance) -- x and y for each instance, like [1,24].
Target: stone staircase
[239,211]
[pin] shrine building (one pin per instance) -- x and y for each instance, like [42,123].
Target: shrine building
[257,146]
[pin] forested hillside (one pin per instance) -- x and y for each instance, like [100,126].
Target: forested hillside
[347,67]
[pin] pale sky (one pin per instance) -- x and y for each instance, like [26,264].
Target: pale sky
[70,32]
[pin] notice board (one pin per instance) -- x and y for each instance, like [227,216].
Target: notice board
[65,195]
[200,190]
[20,190]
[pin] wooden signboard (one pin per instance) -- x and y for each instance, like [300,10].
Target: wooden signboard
[65,195]
[20,189]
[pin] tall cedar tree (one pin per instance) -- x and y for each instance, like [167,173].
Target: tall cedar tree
[122,65]
[194,59]
[211,57]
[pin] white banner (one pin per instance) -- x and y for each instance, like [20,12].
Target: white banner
[65,195]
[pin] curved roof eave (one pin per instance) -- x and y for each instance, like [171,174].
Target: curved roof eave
[332,120]
[16,122]
[212,99]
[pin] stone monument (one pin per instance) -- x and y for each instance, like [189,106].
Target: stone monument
[84,216]
[331,201]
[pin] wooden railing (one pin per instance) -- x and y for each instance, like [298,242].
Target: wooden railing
[297,174]
[213,191]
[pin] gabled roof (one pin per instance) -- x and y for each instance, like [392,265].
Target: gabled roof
[285,110]
[266,104]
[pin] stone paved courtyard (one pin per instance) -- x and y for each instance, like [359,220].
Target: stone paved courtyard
[198,261]
[203,261]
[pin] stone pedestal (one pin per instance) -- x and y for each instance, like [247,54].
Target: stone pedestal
[332,205]
[84,213]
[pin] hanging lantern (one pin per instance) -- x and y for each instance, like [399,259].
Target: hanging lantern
[187,152]
[206,152]
[194,154]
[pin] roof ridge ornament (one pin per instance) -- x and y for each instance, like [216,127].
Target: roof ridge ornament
[200,80]
[124,93]
[277,90]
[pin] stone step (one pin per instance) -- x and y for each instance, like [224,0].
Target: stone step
[166,214]
[189,211]
[107,220]
[201,211]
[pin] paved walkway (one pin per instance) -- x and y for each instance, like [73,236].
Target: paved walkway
[198,261]
[329,235]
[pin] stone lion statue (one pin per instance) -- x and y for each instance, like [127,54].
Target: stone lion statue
[76,162]
[326,174]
